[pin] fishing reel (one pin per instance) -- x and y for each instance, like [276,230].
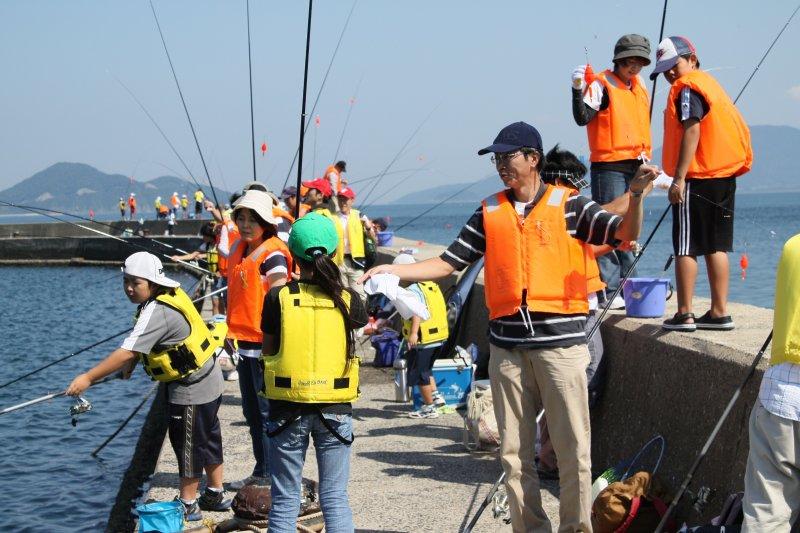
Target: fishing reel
[500,505]
[701,498]
[81,405]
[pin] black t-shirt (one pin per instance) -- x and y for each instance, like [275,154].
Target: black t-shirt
[271,325]
[690,104]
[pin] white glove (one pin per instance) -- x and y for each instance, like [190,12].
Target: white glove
[578,77]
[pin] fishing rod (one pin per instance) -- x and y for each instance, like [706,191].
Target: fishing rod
[660,38]
[120,239]
[183,101]
[399,152]
[94,345]
[106,224]
[252,118]
[347,119]
[126,421]
[302,117]
[414,173]
[74,411]
[712,436]
[305,123]
[161,131]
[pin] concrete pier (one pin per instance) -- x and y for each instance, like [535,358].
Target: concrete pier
[411,475]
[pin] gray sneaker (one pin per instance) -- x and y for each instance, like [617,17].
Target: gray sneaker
[249,480]
[438,401]
[426,411]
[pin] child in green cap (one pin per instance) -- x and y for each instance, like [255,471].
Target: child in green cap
[311,376]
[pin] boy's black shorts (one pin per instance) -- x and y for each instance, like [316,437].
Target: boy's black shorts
[420,363]
[195,435]
[703,223]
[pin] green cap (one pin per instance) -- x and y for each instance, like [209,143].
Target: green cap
[313,233]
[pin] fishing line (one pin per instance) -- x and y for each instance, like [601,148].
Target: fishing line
[468,187]
[347,119]
[106,224]
[368,178]
[305,123]
[399,153]
[183,101]
[302,118]
[414,173]
[93,345]
[252,118]
[164,135]
[120,239]
[126,421]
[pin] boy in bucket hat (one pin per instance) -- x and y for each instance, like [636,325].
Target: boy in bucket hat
[176,348]
[706,146]
[537,300]
[615,108]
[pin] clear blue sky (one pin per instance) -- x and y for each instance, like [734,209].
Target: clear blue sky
[484,65]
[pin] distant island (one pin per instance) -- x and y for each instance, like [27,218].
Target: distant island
[773,170]
[77,188]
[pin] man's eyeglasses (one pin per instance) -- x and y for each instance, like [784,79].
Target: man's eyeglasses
[502,159]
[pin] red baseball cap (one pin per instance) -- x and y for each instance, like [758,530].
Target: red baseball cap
[322,185]
[347,192]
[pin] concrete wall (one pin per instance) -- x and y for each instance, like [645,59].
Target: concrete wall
[22,250]
[154,228]
[673,384]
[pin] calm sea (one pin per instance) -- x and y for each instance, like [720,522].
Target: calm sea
[52,482]
[763,222]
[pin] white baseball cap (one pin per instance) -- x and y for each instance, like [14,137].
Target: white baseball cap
[147,266]
[260,202]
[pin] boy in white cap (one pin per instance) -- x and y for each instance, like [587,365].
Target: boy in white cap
[175,347]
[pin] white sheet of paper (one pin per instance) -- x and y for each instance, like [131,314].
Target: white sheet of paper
[405,302]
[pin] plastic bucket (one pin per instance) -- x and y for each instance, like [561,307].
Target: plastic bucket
[165,517]
[646,297]
[385,238]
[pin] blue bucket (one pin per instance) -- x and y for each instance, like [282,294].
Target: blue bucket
[646,297]
[385,238]
[164,517]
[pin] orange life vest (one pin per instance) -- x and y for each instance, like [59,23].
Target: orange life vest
[132,202]
[278,212]
[337,184]
[163,209]
[622,130]
[593,281]
[175,201]
[533,260]
[233,236]
[246,289]
[724,148]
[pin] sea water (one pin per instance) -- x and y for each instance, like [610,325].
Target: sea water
[762,224]
[51,483]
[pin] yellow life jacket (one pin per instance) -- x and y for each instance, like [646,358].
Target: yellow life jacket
[435,329]
[179,361]
[786,328]
[212,258]
[355,236]
[312,364]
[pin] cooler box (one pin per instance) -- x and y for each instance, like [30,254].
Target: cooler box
[453,380]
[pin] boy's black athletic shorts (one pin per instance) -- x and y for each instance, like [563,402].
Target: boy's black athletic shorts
[420,363]
[195,435]
[703,223]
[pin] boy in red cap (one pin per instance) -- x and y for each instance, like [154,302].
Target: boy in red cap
[706,146]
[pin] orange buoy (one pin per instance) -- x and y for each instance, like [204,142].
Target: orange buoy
[744,263]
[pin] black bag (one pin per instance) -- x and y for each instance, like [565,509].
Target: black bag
[370,251]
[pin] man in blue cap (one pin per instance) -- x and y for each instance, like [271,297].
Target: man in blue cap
[532,236]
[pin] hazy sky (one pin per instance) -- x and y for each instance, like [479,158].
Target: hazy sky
[483,64]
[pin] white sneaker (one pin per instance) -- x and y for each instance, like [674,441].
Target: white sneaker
[426,411]
[617,303]
[438,401]
[249,480]
[232,376]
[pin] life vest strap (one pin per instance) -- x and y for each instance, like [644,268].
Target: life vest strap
[294,418]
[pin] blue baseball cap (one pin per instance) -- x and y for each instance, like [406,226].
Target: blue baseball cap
[669,50]
[513,137]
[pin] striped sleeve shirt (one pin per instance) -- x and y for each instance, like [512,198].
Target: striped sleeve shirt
[586,221]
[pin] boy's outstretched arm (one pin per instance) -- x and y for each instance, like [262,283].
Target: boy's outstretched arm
[116,360]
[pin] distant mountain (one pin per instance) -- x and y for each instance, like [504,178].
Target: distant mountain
[76,188]
[774,170]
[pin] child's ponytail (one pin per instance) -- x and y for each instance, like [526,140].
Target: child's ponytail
[329,279]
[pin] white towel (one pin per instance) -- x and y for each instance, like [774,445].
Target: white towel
[405,302]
